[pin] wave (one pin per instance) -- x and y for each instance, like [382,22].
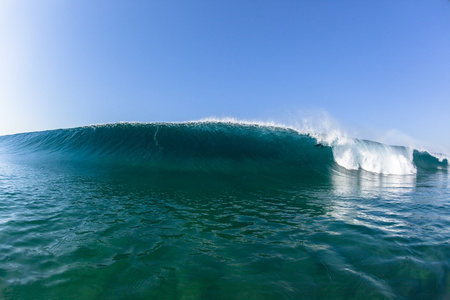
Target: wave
[225,145]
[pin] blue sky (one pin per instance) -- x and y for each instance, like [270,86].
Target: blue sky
[380,68]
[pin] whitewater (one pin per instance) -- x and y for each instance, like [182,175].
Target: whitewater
[220,209]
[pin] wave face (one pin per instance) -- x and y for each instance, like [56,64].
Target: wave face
[218,146]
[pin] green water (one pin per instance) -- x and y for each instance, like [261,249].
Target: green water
[70,232]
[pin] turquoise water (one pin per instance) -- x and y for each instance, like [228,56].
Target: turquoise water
[219,210]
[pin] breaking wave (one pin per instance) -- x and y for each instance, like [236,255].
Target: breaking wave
[214,145]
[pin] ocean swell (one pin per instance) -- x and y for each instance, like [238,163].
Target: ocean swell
[217,146]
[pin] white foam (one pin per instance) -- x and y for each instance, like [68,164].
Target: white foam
[375,157]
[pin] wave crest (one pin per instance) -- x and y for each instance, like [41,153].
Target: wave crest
[221,145]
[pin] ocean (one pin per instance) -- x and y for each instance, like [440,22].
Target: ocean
[220,210]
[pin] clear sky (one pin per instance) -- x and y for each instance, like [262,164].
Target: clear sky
[381,68]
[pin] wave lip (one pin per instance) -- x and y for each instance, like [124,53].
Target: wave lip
[220,145]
